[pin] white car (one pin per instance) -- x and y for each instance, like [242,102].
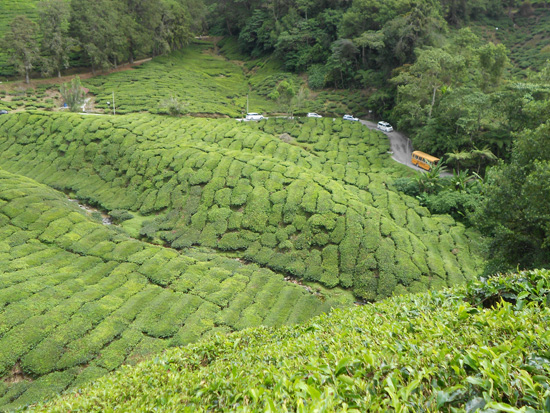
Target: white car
[385,126]
[254,116]
[313,115]
[349,117]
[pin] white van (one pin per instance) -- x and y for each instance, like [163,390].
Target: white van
[384,126]
[254,116]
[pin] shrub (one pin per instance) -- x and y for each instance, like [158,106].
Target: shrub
[73,94]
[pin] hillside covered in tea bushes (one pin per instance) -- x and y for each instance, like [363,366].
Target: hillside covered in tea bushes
[206,80]
[460,350]
[317,205]
[78,299]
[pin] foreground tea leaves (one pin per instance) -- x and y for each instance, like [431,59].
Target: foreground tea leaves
[414,353]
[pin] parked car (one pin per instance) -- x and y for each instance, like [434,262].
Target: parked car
[313,115]
[384,126]
[349,117]
[254,116]
[3,112]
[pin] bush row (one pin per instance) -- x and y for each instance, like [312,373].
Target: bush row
[79,299]
[323,212]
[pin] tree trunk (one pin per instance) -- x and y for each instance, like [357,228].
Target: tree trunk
[433,103]
[58,73]
[27,76]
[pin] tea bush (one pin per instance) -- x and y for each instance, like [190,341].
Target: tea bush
[236,187]
[209,83]
[79,299]
[426,352]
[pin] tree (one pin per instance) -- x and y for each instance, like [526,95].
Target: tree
[493,59]
[95,24]
[22,45]
[299,100]
[56,42]
[73,94]
[343,60]
[419,84]
[420,27]
[173,106]
[457,157]
[369,40]
[284,95]
[483,155]
[516,210]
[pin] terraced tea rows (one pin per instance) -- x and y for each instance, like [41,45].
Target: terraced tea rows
[319,206]
[206,82]
[78,299]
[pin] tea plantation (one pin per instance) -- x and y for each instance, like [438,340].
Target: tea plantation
[201,77]
[318,206]
[78,299]
[432,352]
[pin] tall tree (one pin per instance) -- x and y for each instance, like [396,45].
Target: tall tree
[493,59]
[22,45]
[516,211]
[56,42]
[140,20]
[95,24]
[369,40]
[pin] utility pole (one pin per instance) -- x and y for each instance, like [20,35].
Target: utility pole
[114,110]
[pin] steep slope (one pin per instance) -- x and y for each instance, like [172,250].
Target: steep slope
[419,353]
[318,207]
[78,299]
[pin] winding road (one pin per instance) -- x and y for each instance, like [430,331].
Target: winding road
[401,146]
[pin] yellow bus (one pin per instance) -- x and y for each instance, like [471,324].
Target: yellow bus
[423,160]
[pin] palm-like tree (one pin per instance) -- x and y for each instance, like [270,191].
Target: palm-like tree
[483,154]
[458,157]
[430,181]
[460,180]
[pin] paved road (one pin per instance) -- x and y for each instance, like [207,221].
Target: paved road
[401,146]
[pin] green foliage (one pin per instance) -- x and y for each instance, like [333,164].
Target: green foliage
[73,94]
[518,289]
[79,299]
[54,28]
[21,43]
[488,358]
[242,189]
[515,209]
